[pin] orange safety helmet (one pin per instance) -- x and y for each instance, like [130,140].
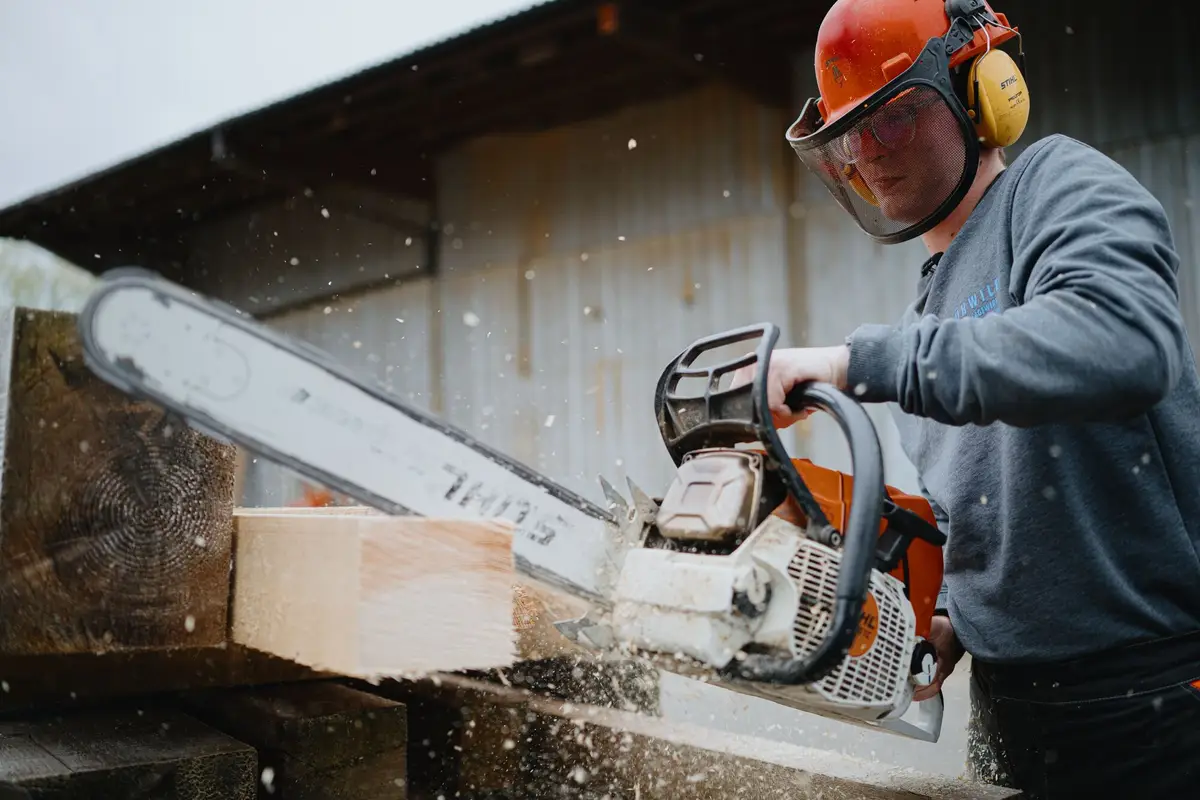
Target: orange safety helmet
[909,90]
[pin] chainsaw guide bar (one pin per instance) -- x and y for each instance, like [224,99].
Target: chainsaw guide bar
[762,573]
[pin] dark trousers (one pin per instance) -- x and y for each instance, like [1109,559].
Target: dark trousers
[1122,724]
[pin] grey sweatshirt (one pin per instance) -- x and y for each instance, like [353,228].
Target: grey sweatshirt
[1048,397]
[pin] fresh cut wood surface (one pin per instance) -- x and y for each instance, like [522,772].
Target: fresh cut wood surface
[365,594]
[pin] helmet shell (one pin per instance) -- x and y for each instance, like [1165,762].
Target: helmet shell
[863,44]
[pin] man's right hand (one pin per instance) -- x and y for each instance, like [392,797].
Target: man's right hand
[949,653]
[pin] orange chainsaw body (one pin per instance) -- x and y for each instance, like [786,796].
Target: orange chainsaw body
[832,491]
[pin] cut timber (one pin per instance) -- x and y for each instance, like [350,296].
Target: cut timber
[370,595]
[548,662]
[115,518]
[147,754]
[318,740]
[498,738]
[535,610]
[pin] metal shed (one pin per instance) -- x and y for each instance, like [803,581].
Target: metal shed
[518,228]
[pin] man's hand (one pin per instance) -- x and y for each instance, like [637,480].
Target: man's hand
[949,653]
[797,365]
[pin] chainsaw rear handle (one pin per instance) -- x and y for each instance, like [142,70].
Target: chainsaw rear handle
[725,418]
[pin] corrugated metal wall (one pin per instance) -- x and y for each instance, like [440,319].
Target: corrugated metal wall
[591,256]
[574,265]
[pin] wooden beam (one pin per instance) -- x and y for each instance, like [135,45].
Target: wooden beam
[495,738]
[366,595]
[78,679]
[116,517]
[136,753]
[535,609]
[320,739]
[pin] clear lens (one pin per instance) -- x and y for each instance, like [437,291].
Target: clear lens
[892,126]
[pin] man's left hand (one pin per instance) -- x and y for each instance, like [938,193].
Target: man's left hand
[791,366]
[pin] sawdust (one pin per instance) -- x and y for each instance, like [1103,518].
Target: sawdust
[525,610]
[585,751]
[983,751]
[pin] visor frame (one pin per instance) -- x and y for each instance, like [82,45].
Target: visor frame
[931,69]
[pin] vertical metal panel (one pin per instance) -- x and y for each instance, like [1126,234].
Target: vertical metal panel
[605,329]
[1106,76]
[484,394]
[852,280]
[590,263]
[705,156]
[383,335]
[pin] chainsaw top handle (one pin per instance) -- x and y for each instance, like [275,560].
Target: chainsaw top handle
[727,417]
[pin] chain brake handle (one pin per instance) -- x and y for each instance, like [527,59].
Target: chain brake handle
[728,417]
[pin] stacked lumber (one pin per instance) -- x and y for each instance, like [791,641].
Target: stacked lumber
[123,754]
[116,535]
[115,515]
[158,642]
[316,739]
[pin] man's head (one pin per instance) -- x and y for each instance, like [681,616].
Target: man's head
[912,92]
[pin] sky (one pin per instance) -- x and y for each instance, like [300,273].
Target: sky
[85,85]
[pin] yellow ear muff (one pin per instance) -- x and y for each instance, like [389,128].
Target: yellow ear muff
[997,99]
[859,185]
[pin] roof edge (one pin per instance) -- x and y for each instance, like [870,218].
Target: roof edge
[201,135]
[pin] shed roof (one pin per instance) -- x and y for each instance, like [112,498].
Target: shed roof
[554,63]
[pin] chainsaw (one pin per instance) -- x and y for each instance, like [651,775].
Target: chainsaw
[755,571]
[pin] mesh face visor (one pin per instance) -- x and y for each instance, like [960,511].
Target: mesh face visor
[899,163]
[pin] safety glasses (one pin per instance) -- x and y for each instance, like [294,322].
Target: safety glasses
[892,127]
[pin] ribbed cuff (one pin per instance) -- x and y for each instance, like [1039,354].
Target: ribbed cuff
[942,607]
[875,352]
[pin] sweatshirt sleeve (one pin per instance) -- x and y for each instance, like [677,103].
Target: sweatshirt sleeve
[1097,333]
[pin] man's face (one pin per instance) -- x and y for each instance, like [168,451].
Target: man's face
[908,153]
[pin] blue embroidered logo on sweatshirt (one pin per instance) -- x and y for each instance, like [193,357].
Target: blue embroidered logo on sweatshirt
[981,302]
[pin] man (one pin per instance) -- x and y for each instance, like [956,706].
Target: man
[1047,396]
